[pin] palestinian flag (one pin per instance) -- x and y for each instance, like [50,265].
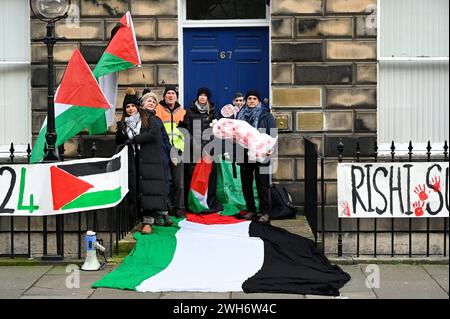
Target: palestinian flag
[78,102]
[91,184]
[214,253]
[121,53]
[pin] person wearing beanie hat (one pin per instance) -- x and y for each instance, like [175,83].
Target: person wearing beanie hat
[130,98]
[197,121]
[149,101]
[147,169]
[258,117]
[171,114]
[254,93]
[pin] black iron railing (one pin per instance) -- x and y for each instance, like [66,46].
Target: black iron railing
[112,223]
[320,221]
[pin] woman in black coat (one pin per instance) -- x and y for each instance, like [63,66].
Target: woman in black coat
[197,120]
[148,164]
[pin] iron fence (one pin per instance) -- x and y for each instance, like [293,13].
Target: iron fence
[328,227]
[114,223]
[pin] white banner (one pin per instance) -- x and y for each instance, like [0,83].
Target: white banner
[393,190]
[63,187]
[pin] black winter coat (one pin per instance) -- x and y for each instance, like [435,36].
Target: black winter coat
[151,178]
[193,114]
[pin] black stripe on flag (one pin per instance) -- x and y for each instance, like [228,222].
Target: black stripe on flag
[292,264]
[93,168]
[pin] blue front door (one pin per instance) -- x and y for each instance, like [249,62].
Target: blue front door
[226,60]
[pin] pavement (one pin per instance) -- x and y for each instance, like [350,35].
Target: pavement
[369,281]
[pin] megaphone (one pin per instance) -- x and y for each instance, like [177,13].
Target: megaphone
[91,263]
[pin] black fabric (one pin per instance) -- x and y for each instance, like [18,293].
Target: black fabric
[292,264]
[282,206]
[176,194]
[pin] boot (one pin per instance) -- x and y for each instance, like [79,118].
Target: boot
[166,219]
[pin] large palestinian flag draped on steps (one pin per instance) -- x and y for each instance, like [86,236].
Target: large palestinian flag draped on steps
[64,187]
[214,253]
[122,53]
[78,102]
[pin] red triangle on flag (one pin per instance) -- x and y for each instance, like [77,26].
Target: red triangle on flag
[79,87]
[124,45]
[66,187]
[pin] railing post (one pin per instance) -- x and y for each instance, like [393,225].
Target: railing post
[392,219]
[375,220]
[410,154]
[340,149]
[445,218]
[11,157]
[428,219]
[358,156]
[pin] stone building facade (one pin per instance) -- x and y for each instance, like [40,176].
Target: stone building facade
[323,81]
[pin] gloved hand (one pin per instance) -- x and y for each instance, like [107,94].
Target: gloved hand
[129,141]
[119,125]
[227,156]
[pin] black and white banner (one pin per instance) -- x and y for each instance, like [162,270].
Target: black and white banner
[393,190]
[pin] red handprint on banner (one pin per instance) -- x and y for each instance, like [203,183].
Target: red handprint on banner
[436,182]
[420,190]
[345,209]
[418,208]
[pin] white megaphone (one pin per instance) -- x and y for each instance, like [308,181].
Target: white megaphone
[91,263]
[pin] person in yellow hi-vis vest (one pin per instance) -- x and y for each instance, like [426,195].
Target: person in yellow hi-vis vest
[171,113]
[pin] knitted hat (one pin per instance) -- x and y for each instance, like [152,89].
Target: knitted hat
[148,95]
[204,90]
[170,88]
[130,98]
[253,93]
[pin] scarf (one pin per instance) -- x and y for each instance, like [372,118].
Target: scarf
[250,115]
[133,125]
[202,109]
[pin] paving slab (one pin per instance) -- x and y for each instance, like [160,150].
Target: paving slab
[20,277]
[67,269]
[243,295]
[106,293]
[11,293]
[195,295]
[439,273]
[357,283]
[407,282]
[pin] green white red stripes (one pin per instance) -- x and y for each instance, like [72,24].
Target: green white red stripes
[122,53]
[78,102]
[214,253]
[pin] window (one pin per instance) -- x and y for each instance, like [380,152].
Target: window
[15,113]
[413,97]
[225,9]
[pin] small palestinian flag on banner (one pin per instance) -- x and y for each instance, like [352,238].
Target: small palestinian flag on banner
[88,184]
[122,53]
[215,253]
[78,102]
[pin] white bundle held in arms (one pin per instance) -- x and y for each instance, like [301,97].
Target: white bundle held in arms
[259,145]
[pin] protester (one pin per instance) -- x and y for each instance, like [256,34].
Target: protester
[171,113]
[198,121]
[258,117]
[148,179]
